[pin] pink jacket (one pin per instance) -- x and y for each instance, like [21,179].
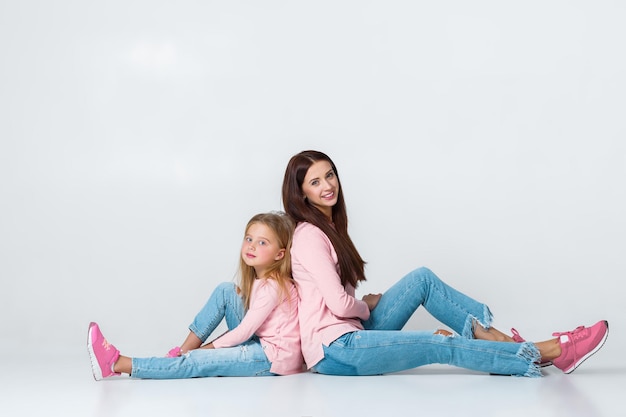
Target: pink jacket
[327,310]
[276,325]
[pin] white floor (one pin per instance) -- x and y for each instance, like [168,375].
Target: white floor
[65,387]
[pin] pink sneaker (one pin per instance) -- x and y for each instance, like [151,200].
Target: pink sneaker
[519,339]
[173,353]
[579,344]
[103,354]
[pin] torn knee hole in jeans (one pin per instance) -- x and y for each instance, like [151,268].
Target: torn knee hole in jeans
[444,332]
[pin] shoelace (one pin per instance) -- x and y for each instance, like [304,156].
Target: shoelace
[106,345]
[577,333]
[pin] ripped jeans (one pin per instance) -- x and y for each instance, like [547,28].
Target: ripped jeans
[247,359]
[383,348]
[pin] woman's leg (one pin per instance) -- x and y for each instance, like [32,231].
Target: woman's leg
[378,352]
[247,359]
[422,287]
[490,333]
[224,303]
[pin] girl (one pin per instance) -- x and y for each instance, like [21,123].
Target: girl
[264,341]
[342,335]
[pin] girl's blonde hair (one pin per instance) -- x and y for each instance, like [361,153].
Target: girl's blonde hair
[280,270]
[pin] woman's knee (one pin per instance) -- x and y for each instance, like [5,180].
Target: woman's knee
[424,273]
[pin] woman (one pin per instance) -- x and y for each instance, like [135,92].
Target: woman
[342,335]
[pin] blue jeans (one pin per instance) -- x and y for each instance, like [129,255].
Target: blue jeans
[247,359]
[382,348]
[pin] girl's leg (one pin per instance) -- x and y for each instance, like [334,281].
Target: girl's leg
[224,303]
[378,352]
[247,359]
[124,364]
[422,287]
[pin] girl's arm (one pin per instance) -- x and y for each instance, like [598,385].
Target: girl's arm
[263,301]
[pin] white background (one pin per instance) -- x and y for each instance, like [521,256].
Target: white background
[483,139]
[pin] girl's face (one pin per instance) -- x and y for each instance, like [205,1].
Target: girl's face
[260,248]
[321,187]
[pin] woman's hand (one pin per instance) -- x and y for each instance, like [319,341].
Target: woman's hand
[372,300]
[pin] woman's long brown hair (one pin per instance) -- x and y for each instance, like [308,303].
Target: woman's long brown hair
[351,265]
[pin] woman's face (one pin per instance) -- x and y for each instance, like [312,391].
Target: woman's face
[321,187]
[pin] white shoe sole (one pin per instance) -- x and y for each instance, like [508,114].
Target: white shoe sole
[95,366]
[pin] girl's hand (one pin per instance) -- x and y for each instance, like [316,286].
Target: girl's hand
[372,300]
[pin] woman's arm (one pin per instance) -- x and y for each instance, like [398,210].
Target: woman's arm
[317,261]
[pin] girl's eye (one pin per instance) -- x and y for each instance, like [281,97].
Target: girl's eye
[262,243]
[330,175]
[248,239]
[314,183]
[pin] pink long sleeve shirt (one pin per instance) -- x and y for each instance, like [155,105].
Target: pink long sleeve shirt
[327,310]
[275,322]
